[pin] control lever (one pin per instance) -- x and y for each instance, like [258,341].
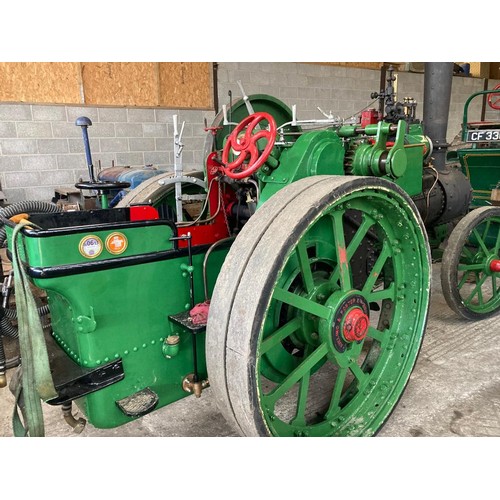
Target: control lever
[102,187]
[84,123]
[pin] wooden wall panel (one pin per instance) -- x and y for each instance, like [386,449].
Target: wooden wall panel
[120,83]
[40,82]
[152,84]
[189,83]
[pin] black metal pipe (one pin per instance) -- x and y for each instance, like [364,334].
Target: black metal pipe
[438,78]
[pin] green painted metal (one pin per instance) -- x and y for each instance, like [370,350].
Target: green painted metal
[480,162]
[123,314]
[478,286]
[317,278]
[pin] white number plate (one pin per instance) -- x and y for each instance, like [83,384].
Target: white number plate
[483,135]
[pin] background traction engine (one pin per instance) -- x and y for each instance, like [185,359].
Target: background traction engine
[293,276]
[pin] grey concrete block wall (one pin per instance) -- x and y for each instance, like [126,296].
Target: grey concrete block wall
[41,148]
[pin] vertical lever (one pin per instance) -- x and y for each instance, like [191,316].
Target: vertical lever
[84,122]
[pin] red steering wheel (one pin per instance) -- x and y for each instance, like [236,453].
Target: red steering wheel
[494,99]
[244,144]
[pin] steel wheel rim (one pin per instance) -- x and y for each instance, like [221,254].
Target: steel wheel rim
[378,375]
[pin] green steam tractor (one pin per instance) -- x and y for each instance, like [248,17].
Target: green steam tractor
[292,275]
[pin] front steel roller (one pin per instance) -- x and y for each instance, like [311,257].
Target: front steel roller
[470,271]
[306,336]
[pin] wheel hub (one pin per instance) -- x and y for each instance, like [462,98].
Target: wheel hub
[355,325]
[495,266]
[350,321]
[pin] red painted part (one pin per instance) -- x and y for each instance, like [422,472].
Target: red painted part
[495,266]
[370,117]
[143,212]
[216,229]
[247,147]
[355,325]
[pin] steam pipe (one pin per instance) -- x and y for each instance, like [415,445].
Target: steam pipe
[437,93]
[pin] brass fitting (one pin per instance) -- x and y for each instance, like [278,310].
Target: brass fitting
[196,388]
[3,380]
[77,425]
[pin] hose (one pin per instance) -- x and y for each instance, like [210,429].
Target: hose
[7,329]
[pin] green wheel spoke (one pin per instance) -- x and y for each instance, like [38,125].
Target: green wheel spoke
[363,229]
[486,229]
[334,406]
[376,334]
[464,279]
[480,241]
[470,267]
[305,266]
[497,244]
[355,242]
[340,247]
[298,373]
[360,375]
[279,335]
[300,417]
[386,293]
[301,303]
[477,290]
[377,268]
[467,253]
[494,285]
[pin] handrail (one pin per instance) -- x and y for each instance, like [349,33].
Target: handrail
[466,109]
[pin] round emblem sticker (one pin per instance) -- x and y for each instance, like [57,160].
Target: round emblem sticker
[90,246]
[116,243]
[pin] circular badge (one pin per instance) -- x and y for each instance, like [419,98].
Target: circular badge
[90,246]
[116,243]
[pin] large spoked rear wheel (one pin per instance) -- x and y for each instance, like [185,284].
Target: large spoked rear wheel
[319,310]
[470,272]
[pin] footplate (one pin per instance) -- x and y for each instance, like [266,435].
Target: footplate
[184,319]
[139,403]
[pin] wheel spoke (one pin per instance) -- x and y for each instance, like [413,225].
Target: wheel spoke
[480,241]
[334,406]
[376,334]
[279,335]
[477,289]
[497,243]
[305,267]
[363,229]
[386,293]
[360,375]
[300,418]
[470,267]
[298,373]
[340,247]
[301,303]
[377,268]
[355,242]
[467,253]
[486,229]
[464,279]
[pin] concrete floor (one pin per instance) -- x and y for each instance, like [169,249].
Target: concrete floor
[454,391]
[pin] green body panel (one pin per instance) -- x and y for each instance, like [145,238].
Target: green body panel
[482,167]
[122,313]
[323,153]
[480,161]
[315,153]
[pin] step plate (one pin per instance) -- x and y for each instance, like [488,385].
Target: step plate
[138,404]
